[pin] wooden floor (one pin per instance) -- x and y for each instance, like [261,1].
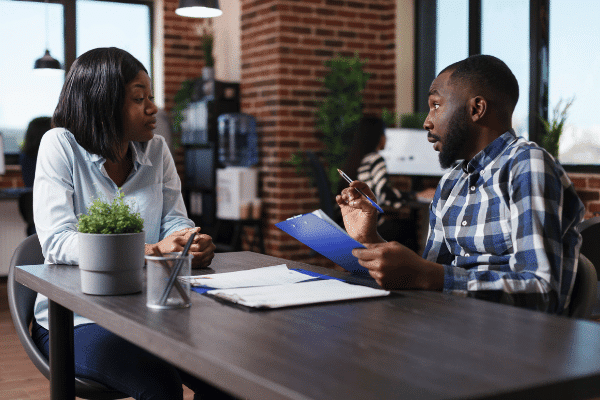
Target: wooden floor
[19,378]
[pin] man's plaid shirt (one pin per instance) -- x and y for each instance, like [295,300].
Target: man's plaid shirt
[503,226]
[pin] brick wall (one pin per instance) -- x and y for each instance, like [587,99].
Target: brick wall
[284,44]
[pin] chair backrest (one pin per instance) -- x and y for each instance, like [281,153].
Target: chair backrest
[21,301]
[323,184]
[585,289]
[590,245]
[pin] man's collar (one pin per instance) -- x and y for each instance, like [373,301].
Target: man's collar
[487,155]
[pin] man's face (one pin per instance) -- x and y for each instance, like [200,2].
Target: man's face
[447,121]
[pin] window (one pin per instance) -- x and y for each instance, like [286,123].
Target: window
[452,33]
[574,73]
[122,25]
[25,94]
[563,36]
[505,34]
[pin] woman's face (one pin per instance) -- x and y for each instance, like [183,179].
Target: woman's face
[139,110]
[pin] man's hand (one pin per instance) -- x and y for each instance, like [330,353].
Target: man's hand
[202,248]
[394,266]
[360,217]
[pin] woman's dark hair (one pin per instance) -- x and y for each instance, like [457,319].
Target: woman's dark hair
[91,101]
[367,135]
[35,130]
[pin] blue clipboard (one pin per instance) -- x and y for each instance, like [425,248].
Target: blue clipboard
[325,239]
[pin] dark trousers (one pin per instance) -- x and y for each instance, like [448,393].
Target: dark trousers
[108,359]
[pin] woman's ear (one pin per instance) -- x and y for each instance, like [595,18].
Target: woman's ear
[477,108]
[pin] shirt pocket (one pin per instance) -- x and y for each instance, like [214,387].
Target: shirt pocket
[497,235]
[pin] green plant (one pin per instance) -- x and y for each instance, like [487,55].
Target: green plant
[182,99]
[390,118]
[338,115]
[553,128]
[207,47]
[115,217]
[413,120]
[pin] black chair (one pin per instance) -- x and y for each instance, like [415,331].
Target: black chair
[21,301]
[585,290]
[590,247]
[26,211]
[326,198]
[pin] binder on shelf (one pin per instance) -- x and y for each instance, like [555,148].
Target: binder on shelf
[323,235]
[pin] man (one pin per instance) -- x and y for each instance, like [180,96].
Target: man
[502,221]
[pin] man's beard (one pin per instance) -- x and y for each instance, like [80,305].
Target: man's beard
[456,139]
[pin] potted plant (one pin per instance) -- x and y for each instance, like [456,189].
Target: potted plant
[553,128]
[111,248]
[338,114]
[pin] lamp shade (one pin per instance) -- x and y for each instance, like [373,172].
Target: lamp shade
[199,8]
[47,62]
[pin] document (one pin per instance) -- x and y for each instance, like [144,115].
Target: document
[323,235]
[266,276]
[294,294]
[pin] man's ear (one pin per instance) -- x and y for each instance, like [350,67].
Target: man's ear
[477,108]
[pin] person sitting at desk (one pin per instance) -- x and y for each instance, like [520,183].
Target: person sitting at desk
[28,156]
[365,162]
[27,159]
[502,221]
[103,143]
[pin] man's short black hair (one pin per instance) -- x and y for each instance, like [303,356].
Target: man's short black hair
[91,101]
[487,74]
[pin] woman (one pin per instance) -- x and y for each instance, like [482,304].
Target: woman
[102,141]
[367,165]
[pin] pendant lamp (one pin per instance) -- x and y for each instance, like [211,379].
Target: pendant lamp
[199,8]
[47,61]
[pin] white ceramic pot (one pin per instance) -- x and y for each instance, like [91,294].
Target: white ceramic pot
[111,264]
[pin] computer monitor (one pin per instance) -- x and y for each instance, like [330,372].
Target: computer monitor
[408,152]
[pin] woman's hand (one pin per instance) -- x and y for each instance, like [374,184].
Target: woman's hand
[360,217]
[202,248]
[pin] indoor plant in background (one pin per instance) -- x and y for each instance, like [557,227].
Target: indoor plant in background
[111,248]
[553,128]
[339,113]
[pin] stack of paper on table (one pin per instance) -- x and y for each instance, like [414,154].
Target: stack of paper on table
[277,286]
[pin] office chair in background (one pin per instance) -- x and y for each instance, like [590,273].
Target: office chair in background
[585,290]
[323,185]
[590,247]
[21,301]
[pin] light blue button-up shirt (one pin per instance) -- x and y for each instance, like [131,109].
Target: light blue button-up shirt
[68,179]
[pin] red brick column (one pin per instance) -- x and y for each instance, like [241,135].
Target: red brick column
[284,44]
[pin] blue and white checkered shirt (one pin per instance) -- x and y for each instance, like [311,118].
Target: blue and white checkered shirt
[503,226]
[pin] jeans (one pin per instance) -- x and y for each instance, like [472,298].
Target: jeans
[108,359]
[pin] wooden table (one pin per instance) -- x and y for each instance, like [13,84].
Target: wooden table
[409,345]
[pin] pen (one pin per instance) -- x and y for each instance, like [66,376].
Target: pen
[176,270]
[347,178]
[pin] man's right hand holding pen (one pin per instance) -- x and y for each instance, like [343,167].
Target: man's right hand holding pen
[392,265]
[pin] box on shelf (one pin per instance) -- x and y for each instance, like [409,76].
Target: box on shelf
[236,187]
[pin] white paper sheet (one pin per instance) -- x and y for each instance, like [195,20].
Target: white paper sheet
[266,276]
[297,294]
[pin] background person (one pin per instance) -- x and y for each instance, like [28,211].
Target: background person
[102,143]
[502,222]
[31,144]
[366,164]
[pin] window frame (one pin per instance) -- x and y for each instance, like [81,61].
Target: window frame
[70,40]
[539,46]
